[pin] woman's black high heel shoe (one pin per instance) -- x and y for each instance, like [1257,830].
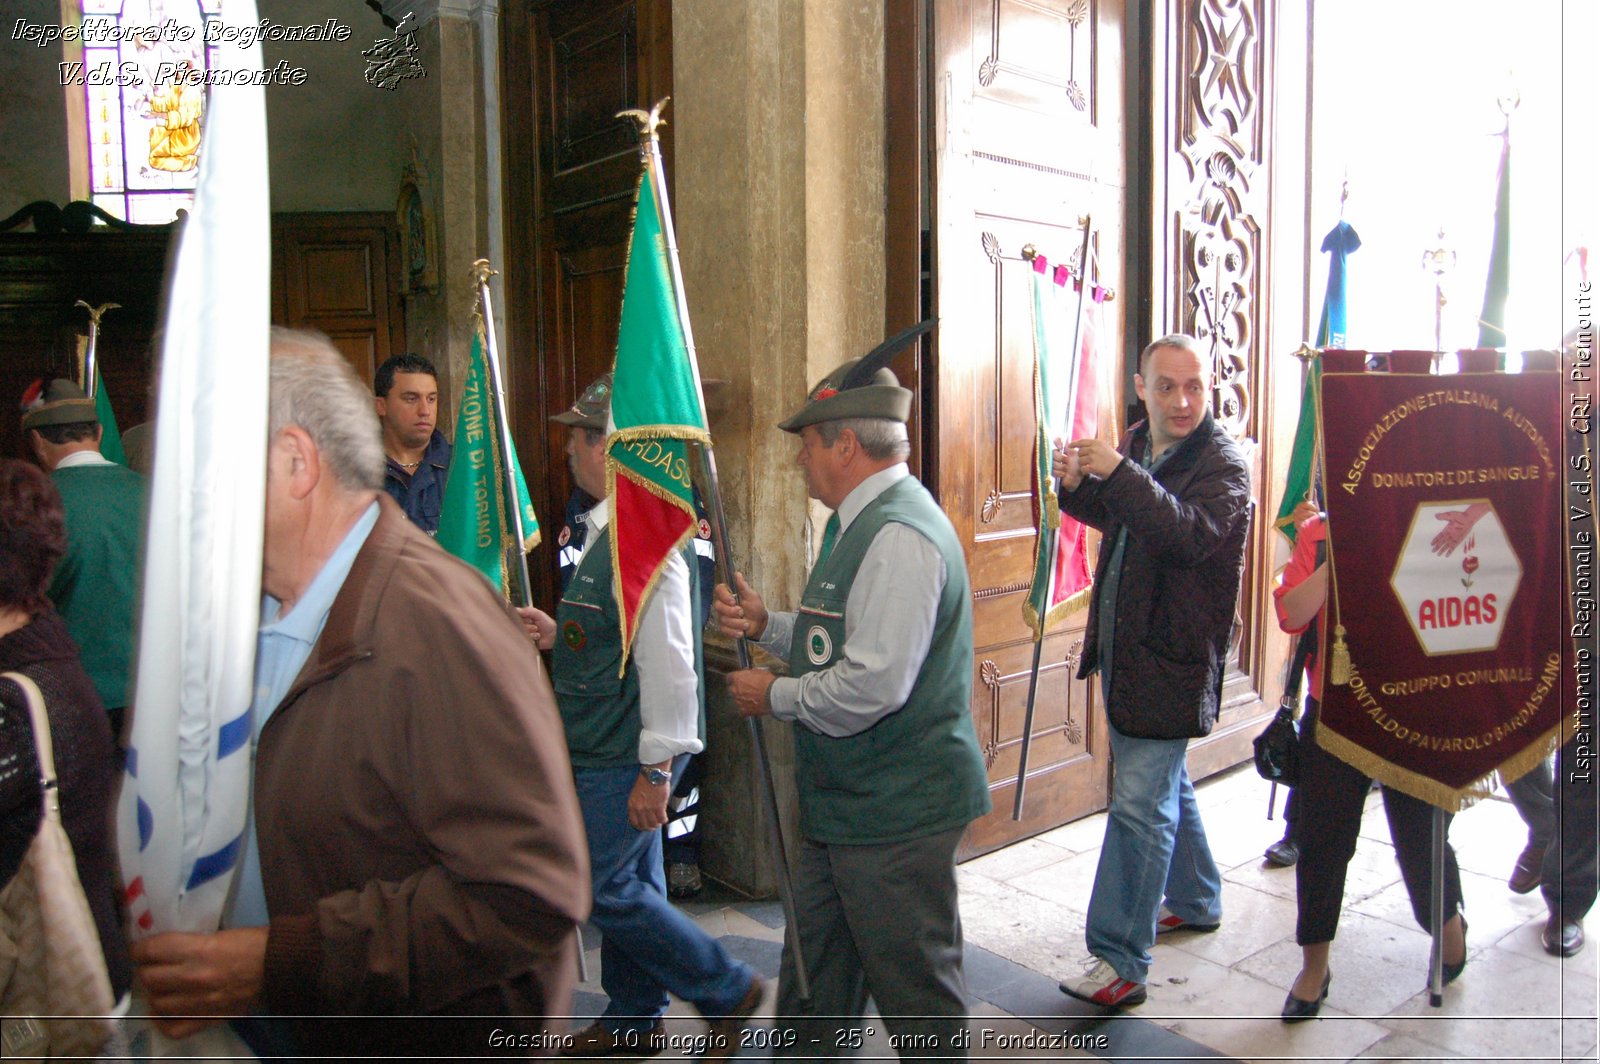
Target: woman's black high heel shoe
[1452,972]
[1297,1011]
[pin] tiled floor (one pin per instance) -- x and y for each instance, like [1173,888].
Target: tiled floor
[1218,995]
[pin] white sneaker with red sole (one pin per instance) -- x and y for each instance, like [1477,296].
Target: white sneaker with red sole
[1101,985]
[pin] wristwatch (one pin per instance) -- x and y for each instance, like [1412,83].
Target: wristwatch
[655,776]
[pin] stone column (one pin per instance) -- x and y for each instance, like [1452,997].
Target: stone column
[779,184]
[446,124]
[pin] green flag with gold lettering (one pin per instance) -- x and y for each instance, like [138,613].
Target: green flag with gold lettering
[474,517]
[655,415]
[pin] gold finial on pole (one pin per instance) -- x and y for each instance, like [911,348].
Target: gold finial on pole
[482,271]
[91,374]
[1029,252]
[649,121]
[95,313]
[1306,354]
[1511,99]
[1439,261]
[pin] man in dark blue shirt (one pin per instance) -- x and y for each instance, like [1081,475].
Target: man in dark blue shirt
[417,455]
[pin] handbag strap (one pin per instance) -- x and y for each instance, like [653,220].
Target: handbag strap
[48,784]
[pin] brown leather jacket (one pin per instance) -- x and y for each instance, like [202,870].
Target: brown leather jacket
[422,848]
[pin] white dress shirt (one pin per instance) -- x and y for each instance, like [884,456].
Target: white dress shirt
[889,616]
[663,652]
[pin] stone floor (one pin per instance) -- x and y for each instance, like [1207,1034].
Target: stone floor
[1218,995]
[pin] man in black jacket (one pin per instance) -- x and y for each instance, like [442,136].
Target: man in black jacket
[1172,504]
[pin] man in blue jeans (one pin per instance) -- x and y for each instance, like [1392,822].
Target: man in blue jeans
[1172,505]
[629,732]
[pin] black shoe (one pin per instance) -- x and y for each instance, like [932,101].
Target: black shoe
[1297,1011]
[1283,853]
[1562,939]
[1452,972]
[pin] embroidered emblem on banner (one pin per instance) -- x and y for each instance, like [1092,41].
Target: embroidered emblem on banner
[819,645]
[573,635]
[1456,576]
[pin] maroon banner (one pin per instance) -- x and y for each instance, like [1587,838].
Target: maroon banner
[1444,504]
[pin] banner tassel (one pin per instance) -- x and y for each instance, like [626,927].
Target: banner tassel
[1339,659]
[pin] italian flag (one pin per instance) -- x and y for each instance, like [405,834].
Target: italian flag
[656,413]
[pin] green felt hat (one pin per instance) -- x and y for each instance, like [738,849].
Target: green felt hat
[590,410]
[861,387]
[59,402]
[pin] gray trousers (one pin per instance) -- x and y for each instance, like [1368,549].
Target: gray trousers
[882,921]
[1559,808]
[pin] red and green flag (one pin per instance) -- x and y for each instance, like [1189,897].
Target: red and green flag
[475,516]
[1302,481]
[1066,398]
[656,413]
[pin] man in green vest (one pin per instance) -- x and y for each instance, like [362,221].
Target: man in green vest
[886,758]
[94,587]
[630,731]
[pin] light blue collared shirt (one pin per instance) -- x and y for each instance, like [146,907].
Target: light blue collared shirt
[282,646]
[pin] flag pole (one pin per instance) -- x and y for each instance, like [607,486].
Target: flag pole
[481,272]
[1052,532]
[91,379]
[655,172]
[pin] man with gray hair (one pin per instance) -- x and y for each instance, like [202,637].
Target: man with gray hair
[416,846]
[886,758]
[1173,508]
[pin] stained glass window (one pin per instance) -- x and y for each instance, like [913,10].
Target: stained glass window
[145,107]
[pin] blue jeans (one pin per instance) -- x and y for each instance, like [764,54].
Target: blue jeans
[1155,846]
[648,947]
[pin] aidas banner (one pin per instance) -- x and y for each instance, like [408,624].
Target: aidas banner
[1444,501]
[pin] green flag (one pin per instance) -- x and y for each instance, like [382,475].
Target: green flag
[655,413]
[475,516]
[110,438]
[1303,479]
[1492,318]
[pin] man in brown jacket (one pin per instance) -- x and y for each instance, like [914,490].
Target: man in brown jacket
[420,847]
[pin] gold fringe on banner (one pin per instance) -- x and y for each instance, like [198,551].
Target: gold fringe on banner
[1423,788]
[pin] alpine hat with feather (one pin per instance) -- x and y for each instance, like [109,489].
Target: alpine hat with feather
[861,387]
[56,402]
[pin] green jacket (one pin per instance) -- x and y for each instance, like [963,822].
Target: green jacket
[95,588]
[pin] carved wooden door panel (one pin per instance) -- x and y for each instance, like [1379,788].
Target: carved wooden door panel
[1028,127]
[571,65]
[1209,276]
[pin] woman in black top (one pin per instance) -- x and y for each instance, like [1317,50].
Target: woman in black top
[34,642]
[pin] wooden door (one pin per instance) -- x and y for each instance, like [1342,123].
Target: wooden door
[339,273]
[1027,115]
[42,277]
[571,65]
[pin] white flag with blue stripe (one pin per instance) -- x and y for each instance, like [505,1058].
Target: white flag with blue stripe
[185,795]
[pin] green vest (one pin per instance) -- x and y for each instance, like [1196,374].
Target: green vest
[96,583]
[599,701]
[917,771]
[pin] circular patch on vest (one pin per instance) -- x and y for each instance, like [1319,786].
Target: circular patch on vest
[819,645]
[566,534]
[573,635]
[704,529]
